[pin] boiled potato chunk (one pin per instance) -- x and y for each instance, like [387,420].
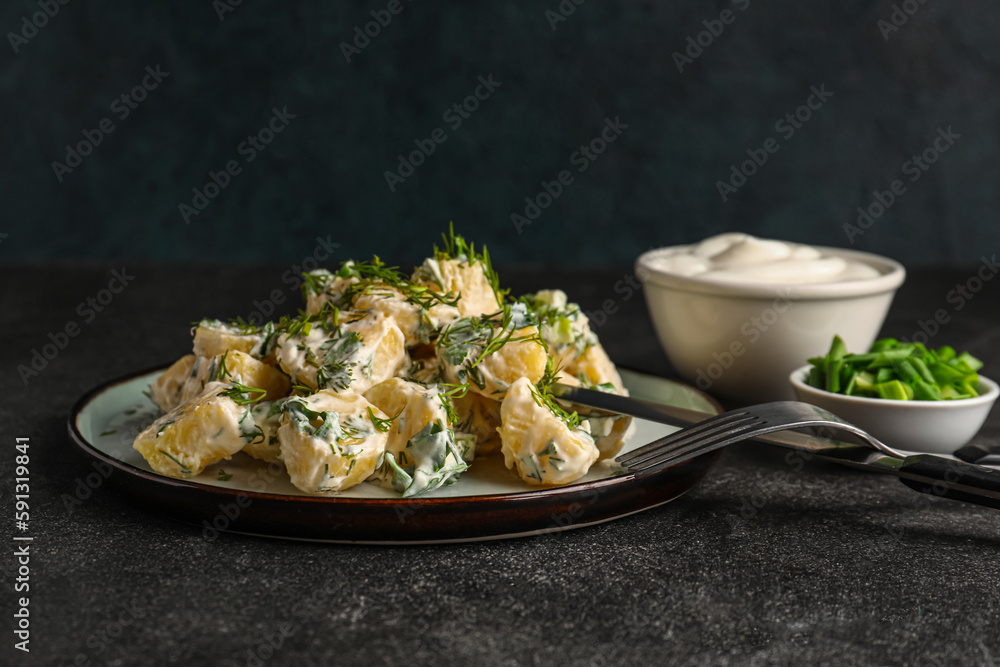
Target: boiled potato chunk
[609,433]
[213,338]
[235,366]
[210,428]
[329,442]
[412,407]
[479,416]
[167,389]
[322,287]
[460,350]
[268,416]
[564,327]
[537,444]
[466,281]
[391,303]
[596,368]
[352,357]
[425,453]
[515,360]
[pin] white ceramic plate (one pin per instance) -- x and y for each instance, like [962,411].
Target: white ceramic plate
[488,502]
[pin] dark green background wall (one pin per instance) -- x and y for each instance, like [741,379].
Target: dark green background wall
[323,175]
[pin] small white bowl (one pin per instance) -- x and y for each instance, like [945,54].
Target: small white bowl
[931,427]
[741,340]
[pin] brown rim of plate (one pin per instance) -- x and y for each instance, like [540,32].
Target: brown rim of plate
[387,520]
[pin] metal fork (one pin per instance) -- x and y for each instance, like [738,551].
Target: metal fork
[735,426]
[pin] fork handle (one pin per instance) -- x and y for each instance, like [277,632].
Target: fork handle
[947,478]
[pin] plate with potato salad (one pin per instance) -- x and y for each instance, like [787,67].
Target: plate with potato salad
[394,408]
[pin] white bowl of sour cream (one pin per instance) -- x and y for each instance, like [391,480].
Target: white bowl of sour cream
[737,314]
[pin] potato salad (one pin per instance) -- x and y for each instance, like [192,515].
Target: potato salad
[391,379]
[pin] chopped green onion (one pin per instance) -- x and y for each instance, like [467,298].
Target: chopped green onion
[897,371]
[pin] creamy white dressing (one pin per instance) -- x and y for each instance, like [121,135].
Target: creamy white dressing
[737,257]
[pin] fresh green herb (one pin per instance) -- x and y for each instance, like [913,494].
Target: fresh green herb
[896,371]
[163,426]
[374,276]
[335,372]
[322,488]
[456,247]
[330,428]
[469,340]
[269,340]
[249,429]
[242,327]
[224,476]
[542,393]
[110,432]
[184,468]
[219,372]
[448,400]
[513,318]
[242,394]
[315,282]
[550,450]
[437,461]
[369,366]
[381,424]
[532,467]
[327,318]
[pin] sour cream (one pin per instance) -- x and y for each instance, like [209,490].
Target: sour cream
[741,258]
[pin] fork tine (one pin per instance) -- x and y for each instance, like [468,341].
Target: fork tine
[685,437]
[688,448]
[706,427]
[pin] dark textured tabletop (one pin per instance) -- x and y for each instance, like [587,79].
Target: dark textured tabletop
[760,564]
